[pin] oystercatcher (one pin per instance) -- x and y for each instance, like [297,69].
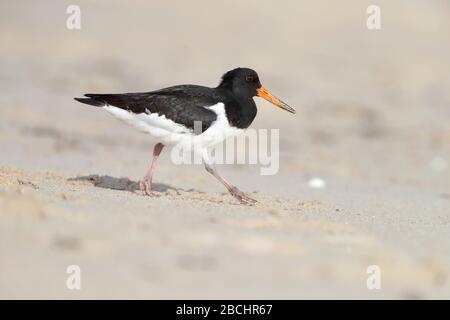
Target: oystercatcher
[192,115]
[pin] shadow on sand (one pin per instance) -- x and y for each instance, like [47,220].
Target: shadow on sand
[108,182]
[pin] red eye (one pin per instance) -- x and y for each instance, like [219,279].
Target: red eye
[249,78]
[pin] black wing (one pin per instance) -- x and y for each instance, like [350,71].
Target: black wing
[183,104]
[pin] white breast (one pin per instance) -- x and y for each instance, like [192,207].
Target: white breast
[219,129]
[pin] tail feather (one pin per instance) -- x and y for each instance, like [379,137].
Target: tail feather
[91,101]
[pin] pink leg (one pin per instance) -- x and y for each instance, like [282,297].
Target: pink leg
[234,191]
[146,183]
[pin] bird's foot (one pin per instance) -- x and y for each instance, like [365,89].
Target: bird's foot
[244,199]
[145,186]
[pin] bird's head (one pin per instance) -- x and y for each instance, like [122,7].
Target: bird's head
[244,82]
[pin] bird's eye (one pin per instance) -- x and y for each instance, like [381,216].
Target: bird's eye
[249,78]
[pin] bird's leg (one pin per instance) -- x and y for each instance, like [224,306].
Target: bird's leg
[146,183]
[234,191]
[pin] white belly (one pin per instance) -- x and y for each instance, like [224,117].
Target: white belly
[170,132]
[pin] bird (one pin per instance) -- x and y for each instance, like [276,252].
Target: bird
[191,115]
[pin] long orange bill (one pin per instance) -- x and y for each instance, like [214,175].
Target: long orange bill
[263,93]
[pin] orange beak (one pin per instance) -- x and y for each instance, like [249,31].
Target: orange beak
[263,93]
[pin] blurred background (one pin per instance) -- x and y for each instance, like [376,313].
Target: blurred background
[373,109]
[371,103]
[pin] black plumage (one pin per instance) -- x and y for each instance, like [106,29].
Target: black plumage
[182,104]
[186,104]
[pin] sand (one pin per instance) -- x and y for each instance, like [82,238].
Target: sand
[364,174]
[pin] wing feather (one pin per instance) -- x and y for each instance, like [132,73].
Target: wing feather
[183,104]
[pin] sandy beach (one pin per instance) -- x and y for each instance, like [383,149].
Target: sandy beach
[372,126]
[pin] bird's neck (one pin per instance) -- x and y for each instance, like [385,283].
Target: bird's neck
[241,112]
